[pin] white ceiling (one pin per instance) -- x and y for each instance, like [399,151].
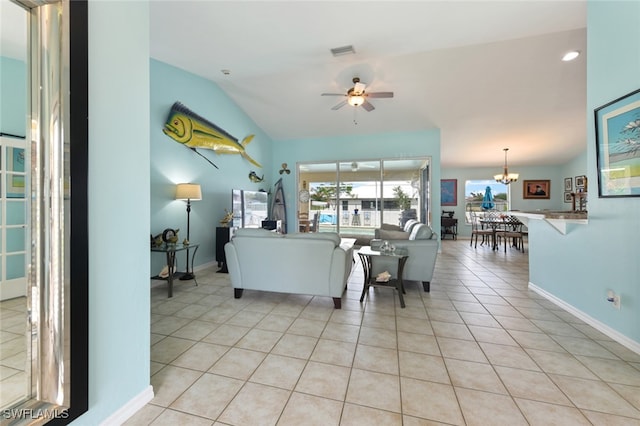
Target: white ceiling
[488,74]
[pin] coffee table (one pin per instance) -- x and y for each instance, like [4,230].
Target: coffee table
[366,254]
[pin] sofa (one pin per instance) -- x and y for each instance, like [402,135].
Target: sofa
[422,244]
[302,263]
[394,232]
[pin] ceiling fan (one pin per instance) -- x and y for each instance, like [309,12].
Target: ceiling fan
[356,96]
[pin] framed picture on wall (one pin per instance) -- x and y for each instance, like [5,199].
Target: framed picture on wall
[568,184]
[567,197]
[581,183]
[536,189]
[449,192]
[617,153]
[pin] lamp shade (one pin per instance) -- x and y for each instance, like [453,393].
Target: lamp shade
[188,191]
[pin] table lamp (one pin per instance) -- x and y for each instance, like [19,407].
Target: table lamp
[189,192]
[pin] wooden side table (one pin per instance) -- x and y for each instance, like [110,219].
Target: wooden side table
[366,254]
[449,226]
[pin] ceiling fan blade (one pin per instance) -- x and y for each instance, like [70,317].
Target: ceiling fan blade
[340,105]
[359,88]
[367,105]
[380,95]
[333,94]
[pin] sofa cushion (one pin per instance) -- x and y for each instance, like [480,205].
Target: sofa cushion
[330,236]
[421,232]
[392,235]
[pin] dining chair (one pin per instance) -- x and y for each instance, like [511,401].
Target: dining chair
[477,229]
[511,231]
[314,223]
[303,221]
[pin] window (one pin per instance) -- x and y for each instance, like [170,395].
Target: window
[356,197]
[474,192]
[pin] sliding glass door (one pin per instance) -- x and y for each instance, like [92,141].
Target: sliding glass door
[355,197]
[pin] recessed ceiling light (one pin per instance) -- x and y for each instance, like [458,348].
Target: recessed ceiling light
[570,56]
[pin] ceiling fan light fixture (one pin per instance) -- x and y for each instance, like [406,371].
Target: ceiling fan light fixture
[506,178]
[355,100]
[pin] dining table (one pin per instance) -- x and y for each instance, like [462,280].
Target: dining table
[495,223]
[498,223]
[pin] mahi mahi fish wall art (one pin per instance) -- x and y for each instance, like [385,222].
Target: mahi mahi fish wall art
[188,128]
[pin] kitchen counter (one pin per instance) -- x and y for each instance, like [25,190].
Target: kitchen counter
[559,219]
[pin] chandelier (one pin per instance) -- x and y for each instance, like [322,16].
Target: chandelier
[506,177]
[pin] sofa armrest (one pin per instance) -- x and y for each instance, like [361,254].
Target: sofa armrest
[420,264]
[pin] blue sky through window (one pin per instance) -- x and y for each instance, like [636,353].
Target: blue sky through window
[479,186]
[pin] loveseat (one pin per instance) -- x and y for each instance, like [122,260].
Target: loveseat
[303,263]
[422,244]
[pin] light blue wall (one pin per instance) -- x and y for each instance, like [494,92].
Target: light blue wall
[119,322]
[388,145]
[555,174]
[13,121]
[172,162]
[13,96]
[579,267]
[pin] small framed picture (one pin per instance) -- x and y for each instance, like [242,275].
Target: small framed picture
[568,185]
[536,189]
[581,182]
[567,197]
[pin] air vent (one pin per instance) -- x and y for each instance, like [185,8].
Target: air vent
[344,50]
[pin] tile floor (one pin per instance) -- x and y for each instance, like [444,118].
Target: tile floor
[480,349]
[13,351]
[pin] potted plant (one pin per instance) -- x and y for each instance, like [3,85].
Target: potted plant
[404,202]
[402,198]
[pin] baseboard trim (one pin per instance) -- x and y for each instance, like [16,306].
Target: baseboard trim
[601,327]
[130,408]
[211,264]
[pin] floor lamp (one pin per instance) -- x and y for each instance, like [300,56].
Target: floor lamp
[189,192]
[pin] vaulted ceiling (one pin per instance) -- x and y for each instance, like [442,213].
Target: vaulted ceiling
[488,74]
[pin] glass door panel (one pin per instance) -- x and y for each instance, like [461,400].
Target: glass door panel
[402,192]
[360,198]
[321,209]
[13,218]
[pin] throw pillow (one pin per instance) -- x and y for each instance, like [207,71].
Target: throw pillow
[393,235]
[408,226]
[421,232]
